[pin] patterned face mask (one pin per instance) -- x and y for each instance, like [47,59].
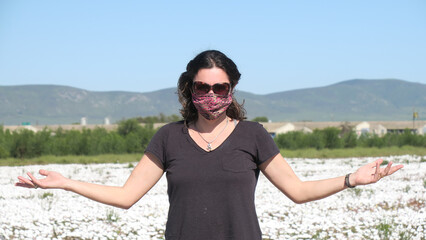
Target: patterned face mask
[211,106]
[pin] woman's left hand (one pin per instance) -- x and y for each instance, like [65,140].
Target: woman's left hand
[372,173]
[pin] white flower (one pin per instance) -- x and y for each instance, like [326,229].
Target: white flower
[25,215]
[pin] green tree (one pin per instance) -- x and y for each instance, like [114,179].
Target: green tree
[410,138]
[136,137]
[260,119]
[22,145]
[42,142]
[316,139]
[391,139]
[348,135]
[126,127]
[349,139]
[101,141]
[133,143]
[332,139]
[4,142]
[161,118]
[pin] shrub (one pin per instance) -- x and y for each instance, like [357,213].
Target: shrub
[260,119]
[291,140]
[4,143]
[126,127]
[409,138]
[4,153]
[22,144]
[349,139]
[317,140]
[332,139]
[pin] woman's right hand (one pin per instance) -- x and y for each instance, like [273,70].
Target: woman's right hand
[143,177]
[52,180]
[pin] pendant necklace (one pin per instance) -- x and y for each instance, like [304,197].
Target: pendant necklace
[209,146]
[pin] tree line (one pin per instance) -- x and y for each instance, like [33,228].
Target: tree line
[333,138]
[131,137]
[161,118]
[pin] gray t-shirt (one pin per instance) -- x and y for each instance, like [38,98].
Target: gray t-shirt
[211,194]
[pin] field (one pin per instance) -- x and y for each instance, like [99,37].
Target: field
[299,153]
[394,208]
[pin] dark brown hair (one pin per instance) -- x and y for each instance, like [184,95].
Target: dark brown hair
[205,60]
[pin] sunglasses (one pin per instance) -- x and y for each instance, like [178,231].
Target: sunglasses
[201,88]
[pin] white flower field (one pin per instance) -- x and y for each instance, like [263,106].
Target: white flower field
[394,208]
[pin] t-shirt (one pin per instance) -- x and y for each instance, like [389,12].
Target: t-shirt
[211,194]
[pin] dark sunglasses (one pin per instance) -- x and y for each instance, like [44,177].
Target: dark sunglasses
[201,88]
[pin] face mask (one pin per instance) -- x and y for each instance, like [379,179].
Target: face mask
[211,106]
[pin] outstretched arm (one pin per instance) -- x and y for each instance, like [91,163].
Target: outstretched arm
[143,177]
[279,172]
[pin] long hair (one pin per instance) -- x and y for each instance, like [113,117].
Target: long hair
[205,60]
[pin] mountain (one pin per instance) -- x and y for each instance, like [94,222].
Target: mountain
[352,100]
[50,104]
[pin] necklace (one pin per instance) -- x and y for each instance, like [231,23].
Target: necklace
[209,144]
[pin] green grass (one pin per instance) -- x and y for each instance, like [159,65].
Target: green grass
[301,153]
[385,230]
[46,195]
[112,216]
[106,158]
[353,152]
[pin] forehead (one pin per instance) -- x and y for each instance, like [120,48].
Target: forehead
[211,75]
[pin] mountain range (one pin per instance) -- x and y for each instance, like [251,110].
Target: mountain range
[352,100]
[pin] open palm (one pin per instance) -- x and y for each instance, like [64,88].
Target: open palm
[52,180]
[372,172]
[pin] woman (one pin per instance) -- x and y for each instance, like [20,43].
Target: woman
[212,161]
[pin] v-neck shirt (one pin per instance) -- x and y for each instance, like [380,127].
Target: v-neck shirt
[211,193]
[206,142]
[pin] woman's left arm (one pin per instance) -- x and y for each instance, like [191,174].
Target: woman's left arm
[279,172]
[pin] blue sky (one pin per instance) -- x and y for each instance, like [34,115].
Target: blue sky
[277,45]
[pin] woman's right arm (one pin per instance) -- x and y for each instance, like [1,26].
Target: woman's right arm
[141,180]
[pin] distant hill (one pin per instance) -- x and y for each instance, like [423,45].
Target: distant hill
[352,100]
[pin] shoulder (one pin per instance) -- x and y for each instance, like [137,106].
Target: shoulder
[172,128]
[250,129]
[251,125]
[172,125]
[168,131]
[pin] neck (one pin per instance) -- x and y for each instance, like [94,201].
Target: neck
[207,126]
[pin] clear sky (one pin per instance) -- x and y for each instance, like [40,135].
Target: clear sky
[282,45]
